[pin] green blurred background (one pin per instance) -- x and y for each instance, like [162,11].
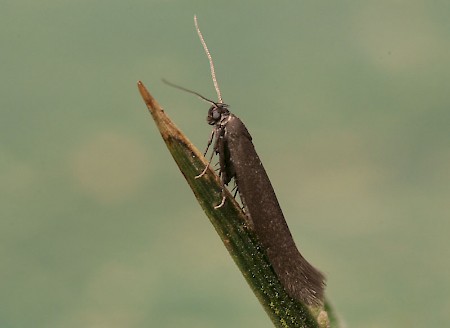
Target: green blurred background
[349,106]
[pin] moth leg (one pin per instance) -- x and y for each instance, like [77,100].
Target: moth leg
[223,200]
[217,168]
[235,189]
[206,167]
[204,154]
[211,137]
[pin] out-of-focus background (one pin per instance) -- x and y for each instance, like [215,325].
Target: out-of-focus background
[348,104]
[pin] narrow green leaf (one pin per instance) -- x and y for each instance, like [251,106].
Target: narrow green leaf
[230,223]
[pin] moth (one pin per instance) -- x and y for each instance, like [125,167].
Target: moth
[239,160]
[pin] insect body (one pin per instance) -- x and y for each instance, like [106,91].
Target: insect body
[238,159]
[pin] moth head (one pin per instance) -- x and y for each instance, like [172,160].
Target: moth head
[217,112]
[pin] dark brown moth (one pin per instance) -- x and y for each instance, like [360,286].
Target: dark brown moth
[238,159]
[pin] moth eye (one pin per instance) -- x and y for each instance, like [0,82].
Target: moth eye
[215,115]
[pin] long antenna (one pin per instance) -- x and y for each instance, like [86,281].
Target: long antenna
[190,91]
[211,64]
